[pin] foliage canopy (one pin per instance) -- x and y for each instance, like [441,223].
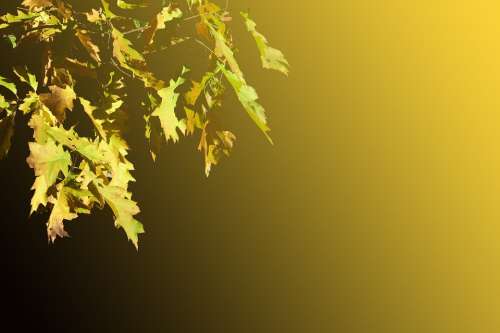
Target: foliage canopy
[108,47]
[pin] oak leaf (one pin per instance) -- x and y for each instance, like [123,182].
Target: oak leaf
[124,210]
[60,212]
[59,100]
[31,4]
[109,57]
[166,110]
[271,58]
[89,45]
[49,161]
[166,15]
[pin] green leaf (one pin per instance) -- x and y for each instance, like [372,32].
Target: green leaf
[271,58]
[103,59]
[124,210]
[41,121]
[68,138]
[191,3]
[123,50]
[98,123]
[223,50]
[25,76]
[126,5]
[115,155]
[248,98]
[12,39]
[166,111]
[32,103]
[132,60]
[19,17]
[9,85]
[49,161]
[107,11]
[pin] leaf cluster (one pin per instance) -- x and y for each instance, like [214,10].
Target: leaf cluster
[109,46]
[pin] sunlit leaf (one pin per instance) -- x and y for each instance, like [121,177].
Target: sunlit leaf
[166,110]
[101,73]
[271,58]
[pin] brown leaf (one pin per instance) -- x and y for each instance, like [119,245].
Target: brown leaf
[202,30]
[58,100]
[6,132]
[192,95]
[86,41]
[37,3]
[214,144]
[60,212]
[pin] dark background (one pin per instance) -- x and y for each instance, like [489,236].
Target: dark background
[211,259]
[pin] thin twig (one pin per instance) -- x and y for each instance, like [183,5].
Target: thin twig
[192,17]
[199,15]
[141,29]
[166,47]
[113,62]
[206,47]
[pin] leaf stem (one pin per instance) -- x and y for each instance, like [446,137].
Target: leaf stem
[206,47]
[113,62]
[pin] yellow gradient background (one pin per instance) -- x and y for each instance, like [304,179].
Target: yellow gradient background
[383,198]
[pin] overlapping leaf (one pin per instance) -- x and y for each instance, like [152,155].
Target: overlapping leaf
[96,64]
